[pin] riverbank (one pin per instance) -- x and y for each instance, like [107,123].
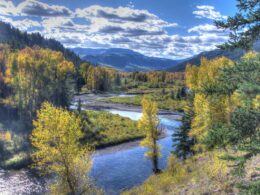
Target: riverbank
[163,102]
[114,168]
[103,102]
[114,129]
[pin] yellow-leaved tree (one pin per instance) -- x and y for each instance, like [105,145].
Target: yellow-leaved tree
[36,75]
[209,109]
[56,136]
[149,123]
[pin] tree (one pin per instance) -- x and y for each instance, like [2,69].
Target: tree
[244,26]
[210,106]
[149,123]
[19,40]
[172,95]
[117,80]
[238,87]
[182,142]
[79,106]
[56,137]
[37,75]
[98,78]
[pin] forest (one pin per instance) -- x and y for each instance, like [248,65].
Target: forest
[59,114]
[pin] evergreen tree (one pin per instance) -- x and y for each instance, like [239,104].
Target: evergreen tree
[118,80]
[163,91]
[79,106]
[172,95]
[178,95]
[182,142]
[244,26]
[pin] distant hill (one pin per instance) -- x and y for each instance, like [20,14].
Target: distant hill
[233,55]
[18,40]
[195,60]
[124,59]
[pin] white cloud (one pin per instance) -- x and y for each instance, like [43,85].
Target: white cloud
[122,17]
[23,24]
[207,11]
[37,8]
[7,8]
[130,4]
[32,8]
[205,28]
[124,27]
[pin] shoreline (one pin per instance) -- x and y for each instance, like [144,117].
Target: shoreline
[90,102]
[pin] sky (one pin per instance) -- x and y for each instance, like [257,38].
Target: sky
[174,29]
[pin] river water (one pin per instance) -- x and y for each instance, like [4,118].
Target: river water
[114,169]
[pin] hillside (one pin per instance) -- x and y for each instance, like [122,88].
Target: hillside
[18,40]
[233,55]
[124,59]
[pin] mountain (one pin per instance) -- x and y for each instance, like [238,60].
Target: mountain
[195,60]
[18,40]
[124,59]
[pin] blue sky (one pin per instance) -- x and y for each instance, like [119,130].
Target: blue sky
[173,29]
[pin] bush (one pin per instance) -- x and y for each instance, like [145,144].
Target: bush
[110,129]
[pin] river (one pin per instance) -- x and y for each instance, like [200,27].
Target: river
[115,168]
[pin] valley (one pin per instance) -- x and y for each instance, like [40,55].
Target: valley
[109,163]
[129,97]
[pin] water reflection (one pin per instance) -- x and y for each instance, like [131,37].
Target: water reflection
[114,169]
[126,168]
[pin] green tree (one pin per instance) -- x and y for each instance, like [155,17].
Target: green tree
[149,123]
[244,26]
[79,106]
[56,137]
[117,80]
[182,142]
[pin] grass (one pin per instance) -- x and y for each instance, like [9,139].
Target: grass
[17,161]
[202,174]
[107,129]
[14,147]
[163,101]
[112,129]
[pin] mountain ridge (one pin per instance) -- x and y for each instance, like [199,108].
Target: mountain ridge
[124,59]
[195,60]
[18,40]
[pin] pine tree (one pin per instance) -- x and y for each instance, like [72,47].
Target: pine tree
[244,26]
[118,80]
[172,95]
[182,142]
[79,106]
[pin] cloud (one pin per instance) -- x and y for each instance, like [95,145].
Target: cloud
[205,28]
[114,14]
[121,15]
[106,27]
[7,8]
[62,25]
[23,25]
[209,12]
[130,4]
[33,8]
[37,8]
[111,29]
